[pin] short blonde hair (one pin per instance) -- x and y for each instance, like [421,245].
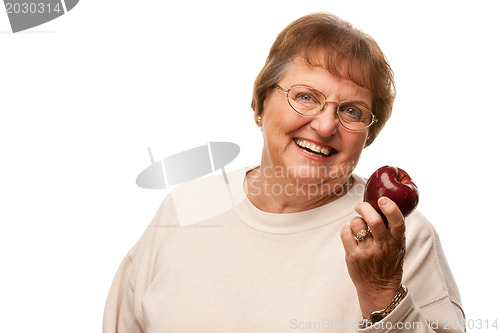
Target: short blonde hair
[324,40]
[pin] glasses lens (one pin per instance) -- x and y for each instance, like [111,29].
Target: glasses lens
[306,101]
[354,116]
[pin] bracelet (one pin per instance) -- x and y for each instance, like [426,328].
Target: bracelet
[377,316]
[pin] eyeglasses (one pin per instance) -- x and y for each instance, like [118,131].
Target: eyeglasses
[309,102]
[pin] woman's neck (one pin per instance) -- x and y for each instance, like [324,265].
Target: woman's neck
[287,195]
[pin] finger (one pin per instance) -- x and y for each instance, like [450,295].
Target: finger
[360,230]
[373,219]
[394,217]
[348,239]
[358,224]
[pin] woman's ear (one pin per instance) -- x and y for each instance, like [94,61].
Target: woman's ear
[258,119]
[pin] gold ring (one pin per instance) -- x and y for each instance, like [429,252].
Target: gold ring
[363,234]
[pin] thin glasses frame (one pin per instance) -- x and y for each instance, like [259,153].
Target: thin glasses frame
[337,110]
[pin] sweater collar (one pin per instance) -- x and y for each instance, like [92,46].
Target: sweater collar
[288,223]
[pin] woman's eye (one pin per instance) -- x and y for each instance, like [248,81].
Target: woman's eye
[352,113]
[306,98]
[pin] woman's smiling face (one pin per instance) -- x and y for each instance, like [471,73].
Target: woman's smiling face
[290,138]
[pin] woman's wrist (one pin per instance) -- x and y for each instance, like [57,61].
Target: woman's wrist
[376,299]
[381,313]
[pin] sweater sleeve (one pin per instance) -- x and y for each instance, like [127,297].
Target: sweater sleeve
[433,302]
[409,317]
[123,311]
[119,314]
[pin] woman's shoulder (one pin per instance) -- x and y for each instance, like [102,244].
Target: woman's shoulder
[194,202]
[419,228]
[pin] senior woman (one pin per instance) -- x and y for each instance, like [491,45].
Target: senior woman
[277,247]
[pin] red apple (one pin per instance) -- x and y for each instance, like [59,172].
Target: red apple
[395,184]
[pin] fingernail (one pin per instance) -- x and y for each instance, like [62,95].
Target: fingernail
[383,202]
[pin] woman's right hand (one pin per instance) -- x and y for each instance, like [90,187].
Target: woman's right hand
[375,264]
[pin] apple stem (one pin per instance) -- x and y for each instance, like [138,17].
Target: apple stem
[405,175]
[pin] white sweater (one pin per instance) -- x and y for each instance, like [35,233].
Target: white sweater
[210,261]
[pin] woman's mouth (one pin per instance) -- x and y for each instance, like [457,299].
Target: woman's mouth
[314,149]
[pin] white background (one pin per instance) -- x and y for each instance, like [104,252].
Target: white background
[83,96]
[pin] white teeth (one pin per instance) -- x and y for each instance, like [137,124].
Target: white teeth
[309,145]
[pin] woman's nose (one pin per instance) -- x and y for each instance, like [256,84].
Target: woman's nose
[326,123]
